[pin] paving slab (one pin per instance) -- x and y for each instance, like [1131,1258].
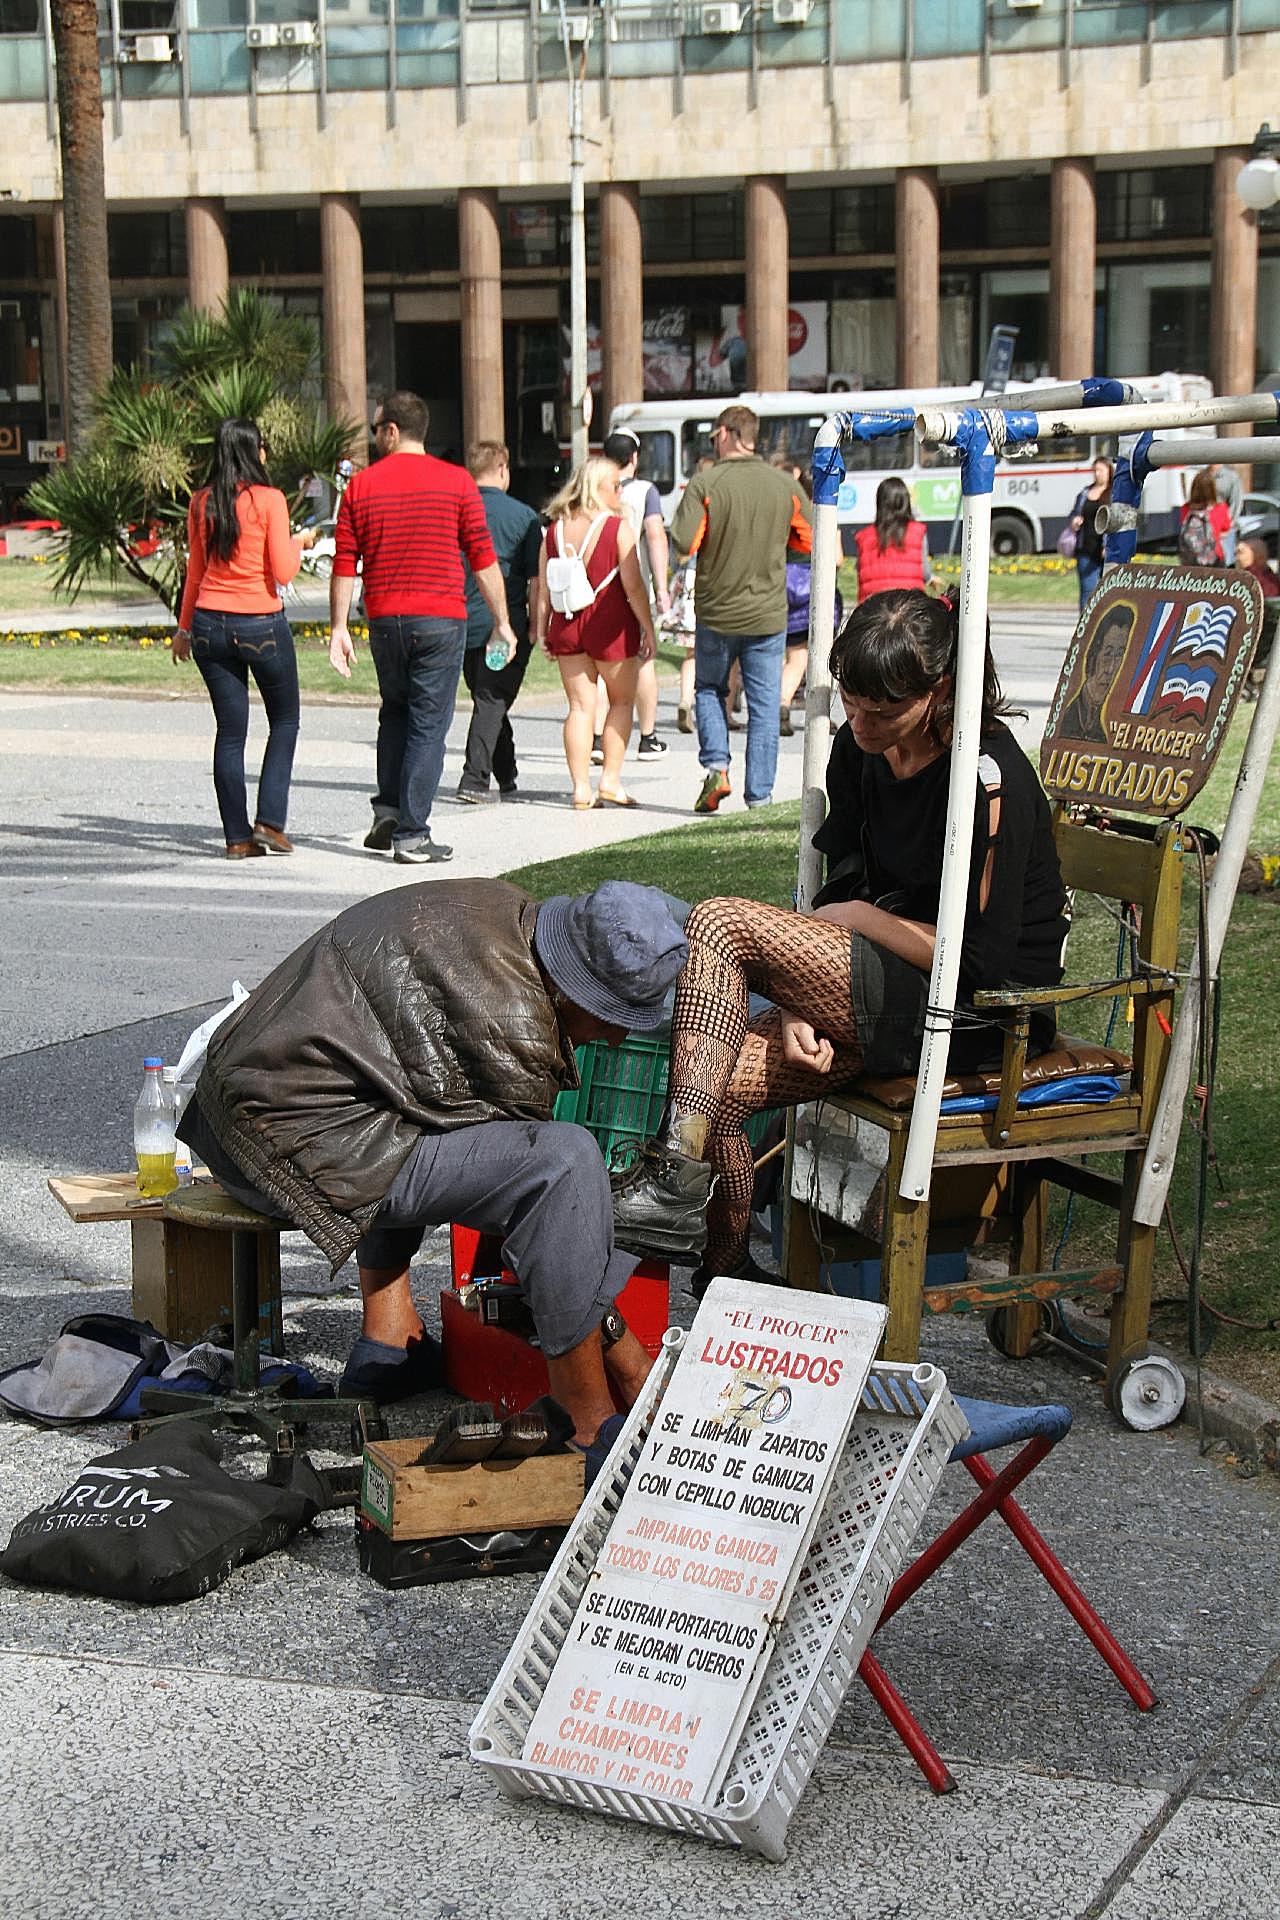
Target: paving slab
[367,1799]
[1216,1860]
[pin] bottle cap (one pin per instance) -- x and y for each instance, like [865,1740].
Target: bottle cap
[152,1060]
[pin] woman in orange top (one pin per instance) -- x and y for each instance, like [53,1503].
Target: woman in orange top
[232,619]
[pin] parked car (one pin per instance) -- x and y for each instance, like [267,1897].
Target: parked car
[1260,520]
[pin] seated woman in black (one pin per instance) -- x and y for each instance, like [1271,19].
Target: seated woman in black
[850,983]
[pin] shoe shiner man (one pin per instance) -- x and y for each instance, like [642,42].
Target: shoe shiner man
[399,1071]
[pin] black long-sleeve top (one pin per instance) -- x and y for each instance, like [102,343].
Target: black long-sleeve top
[883,840]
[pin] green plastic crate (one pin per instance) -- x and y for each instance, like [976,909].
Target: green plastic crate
[623,1092]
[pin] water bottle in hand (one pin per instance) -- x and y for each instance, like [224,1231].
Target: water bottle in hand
[497,652]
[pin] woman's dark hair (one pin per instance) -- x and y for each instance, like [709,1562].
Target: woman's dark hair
[1203,492]
[237,462]
[900,644]
[893,512]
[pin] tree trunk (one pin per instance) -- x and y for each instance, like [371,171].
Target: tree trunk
[84,209]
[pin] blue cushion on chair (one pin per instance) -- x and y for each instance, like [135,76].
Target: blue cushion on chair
[994,1424]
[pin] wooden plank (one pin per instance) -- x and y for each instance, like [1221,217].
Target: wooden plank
[980,1296]
[104,1196]
[429,1503]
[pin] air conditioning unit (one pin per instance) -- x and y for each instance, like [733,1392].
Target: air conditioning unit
[298,33]
[577,26]
[791,13]
[267,35]
[145,49]
[1024,6]
[721,19]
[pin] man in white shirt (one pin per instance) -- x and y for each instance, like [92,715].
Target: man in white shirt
[644,513]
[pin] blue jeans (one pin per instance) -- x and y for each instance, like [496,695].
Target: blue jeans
[227,648]
[760,657]
[418,659]
[1090,572]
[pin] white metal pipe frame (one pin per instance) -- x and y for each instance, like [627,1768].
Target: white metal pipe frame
[980,434]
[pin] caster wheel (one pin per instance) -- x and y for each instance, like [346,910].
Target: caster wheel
[1000,1324]
[1147,1392]
[366,1426]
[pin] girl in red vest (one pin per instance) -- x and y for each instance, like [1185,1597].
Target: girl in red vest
[895,551]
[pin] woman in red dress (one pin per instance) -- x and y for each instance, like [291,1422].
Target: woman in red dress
[606,640]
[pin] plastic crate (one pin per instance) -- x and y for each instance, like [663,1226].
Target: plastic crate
[624,1090]
[900,1442]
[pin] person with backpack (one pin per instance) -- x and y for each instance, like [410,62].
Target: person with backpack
[595,622]
[1205,520]
[1089,542]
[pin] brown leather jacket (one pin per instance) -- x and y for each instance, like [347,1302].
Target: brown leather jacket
[421,1010]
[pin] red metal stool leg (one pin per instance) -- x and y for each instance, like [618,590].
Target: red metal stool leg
[904,1723]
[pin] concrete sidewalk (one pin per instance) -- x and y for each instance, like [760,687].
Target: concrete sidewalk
[296,1741]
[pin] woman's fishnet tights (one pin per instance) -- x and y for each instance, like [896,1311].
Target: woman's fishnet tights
[728,1067]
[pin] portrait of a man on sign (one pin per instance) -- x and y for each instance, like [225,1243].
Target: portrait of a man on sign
[1148,685]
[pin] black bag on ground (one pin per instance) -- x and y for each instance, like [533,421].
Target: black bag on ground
[159,1520]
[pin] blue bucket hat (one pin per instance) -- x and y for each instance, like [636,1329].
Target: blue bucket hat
[614,952]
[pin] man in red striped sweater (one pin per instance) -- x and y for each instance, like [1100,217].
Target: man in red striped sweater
[410,519]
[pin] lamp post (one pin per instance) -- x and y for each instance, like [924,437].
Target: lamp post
[1258,181]
[580,404]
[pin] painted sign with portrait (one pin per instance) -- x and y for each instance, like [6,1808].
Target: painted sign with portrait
[1148,686]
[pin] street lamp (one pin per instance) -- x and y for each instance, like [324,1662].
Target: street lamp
[1258,181]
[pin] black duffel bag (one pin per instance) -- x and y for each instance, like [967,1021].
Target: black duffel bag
[159,1520]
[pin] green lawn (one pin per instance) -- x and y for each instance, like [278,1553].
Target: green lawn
[755,855]
[27,586]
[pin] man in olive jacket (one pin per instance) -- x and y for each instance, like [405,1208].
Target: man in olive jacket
[399,1070]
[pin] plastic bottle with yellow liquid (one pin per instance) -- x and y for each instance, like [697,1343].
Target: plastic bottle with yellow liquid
[153,1136]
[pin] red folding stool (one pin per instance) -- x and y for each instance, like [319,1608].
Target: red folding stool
[992,1425]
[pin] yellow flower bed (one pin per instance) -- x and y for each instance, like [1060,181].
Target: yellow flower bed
[141,639]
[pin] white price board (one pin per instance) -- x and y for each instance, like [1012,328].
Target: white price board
[670,1639]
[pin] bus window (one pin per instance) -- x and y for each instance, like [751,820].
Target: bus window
[657,459]
[896,453]
[695,444]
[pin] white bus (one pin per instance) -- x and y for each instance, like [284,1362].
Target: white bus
[1034,493]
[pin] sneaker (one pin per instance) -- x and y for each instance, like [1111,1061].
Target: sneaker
[381,834]
[510,792]
[714,789]
[597,752]
[384,1374]
[475,796]
[651,748]
[749,1269]
[417,853]
[660,1203]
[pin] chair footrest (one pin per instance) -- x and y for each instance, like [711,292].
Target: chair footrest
[982,1294]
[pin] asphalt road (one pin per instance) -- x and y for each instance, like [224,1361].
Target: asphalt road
[295,1742]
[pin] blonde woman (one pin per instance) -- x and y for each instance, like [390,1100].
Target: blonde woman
[605,640]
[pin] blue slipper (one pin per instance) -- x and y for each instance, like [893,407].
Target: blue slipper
[384,1374]
[598,1450]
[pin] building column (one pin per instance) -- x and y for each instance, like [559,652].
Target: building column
[480,269]
[916,228]
[342,269]
[621,299]
[1233,296]
[208,274]
[1073,238]
[768,258]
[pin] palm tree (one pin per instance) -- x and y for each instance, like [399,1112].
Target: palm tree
[84,209]
[130,487]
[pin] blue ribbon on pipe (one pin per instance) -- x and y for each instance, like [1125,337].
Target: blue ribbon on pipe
[1131,472]
[1101,392]
[828,461]
[981,435]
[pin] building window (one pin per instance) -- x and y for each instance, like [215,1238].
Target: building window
[1155,203]
[410,240]
[283,240]
[848,220]
[147,246]
[691,226]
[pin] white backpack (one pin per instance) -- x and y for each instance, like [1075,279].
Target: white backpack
[570,590]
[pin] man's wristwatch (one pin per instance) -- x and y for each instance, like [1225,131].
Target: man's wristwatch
[612,1328]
